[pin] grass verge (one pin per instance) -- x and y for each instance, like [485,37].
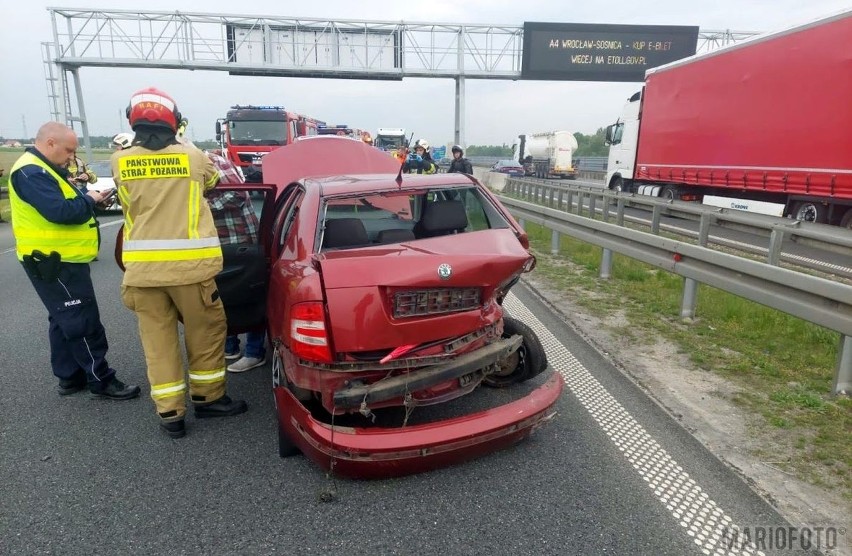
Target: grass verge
[783,366]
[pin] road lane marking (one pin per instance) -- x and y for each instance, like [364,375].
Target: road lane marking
[701,518]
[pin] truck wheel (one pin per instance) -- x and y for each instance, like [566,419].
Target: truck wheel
[810,211]
[528,361]
[617,184]
[669,193]
[846,221]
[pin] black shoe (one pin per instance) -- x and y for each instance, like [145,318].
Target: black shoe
[116,390]
[175,429]
[223,407]
[71,385]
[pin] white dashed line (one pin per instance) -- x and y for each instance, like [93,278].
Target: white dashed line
[700,517]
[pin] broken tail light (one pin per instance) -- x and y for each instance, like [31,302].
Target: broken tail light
[308,332]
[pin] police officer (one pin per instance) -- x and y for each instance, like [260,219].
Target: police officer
[420,161]
[171,254]
[459,164]
[57,236]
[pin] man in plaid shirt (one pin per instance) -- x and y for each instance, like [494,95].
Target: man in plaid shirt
[233,212]
[236,222]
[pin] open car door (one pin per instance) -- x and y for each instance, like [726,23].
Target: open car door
[244,277]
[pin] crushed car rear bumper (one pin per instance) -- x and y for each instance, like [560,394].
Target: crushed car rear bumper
[375,453]
[355,395]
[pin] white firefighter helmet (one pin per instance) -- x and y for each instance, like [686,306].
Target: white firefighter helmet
[123,140]
[422,143]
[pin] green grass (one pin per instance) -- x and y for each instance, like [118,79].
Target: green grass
[783,366]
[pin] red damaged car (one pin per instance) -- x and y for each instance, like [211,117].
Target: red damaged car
[383,292]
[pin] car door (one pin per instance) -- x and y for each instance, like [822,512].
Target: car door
[243,281]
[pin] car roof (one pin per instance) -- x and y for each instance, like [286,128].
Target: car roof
[348,184]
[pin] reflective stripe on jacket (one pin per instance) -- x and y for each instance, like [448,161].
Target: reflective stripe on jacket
[75,243]
[169,235]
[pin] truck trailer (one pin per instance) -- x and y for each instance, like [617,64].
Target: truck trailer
[762,125]
[548,155]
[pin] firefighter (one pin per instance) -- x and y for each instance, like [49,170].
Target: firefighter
[79,174]
[420,161]
[56,237]
[171,253]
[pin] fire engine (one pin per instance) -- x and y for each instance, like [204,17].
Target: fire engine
[247,133]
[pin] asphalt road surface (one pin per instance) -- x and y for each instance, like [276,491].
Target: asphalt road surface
[611,474]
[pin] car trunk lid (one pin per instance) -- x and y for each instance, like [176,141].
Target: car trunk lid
[416,292]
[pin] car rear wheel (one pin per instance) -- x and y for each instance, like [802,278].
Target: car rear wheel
[286,447]
[528,361]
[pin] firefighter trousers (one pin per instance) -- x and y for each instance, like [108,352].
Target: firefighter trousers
[158,310]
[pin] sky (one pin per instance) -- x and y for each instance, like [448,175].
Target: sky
[497,111]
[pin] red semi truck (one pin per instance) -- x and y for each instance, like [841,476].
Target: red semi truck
[764,125]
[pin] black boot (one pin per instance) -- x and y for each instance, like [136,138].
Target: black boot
[71,385]
[223,407]
[115,390]
[175,429]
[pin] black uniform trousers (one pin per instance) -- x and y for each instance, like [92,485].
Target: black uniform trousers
[78,342]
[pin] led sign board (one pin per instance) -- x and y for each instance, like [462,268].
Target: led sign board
[592,52]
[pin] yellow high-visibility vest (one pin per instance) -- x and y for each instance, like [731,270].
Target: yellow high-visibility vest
[75,243]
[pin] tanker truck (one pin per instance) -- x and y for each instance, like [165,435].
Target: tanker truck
[762,126]
[547,155]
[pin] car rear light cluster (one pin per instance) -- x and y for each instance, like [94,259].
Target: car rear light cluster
[436,301]
[308,333]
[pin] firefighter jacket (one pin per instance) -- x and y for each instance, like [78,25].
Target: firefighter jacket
[77,169]
[75,243]
[169,236]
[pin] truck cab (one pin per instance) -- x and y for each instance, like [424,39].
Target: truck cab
[247,133]
[622,138]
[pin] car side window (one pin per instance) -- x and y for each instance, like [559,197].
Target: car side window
[290,212]
[284,218]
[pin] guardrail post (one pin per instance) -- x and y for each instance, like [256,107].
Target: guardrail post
[843,375]
[774,254]
[592,205]
[551,198]
[690,296]
[579,210]
[605,210]
[619,215]
[570,205]
[606,264]
[560,197]
[704,230]
[554,242]
[655,219]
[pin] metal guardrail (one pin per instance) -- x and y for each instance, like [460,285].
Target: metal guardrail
[811,298]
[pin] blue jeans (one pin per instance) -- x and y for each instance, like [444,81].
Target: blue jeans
[254,344]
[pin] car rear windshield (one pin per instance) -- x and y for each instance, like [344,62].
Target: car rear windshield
[395,216]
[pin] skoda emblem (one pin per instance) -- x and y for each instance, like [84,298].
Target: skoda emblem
[445,271]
